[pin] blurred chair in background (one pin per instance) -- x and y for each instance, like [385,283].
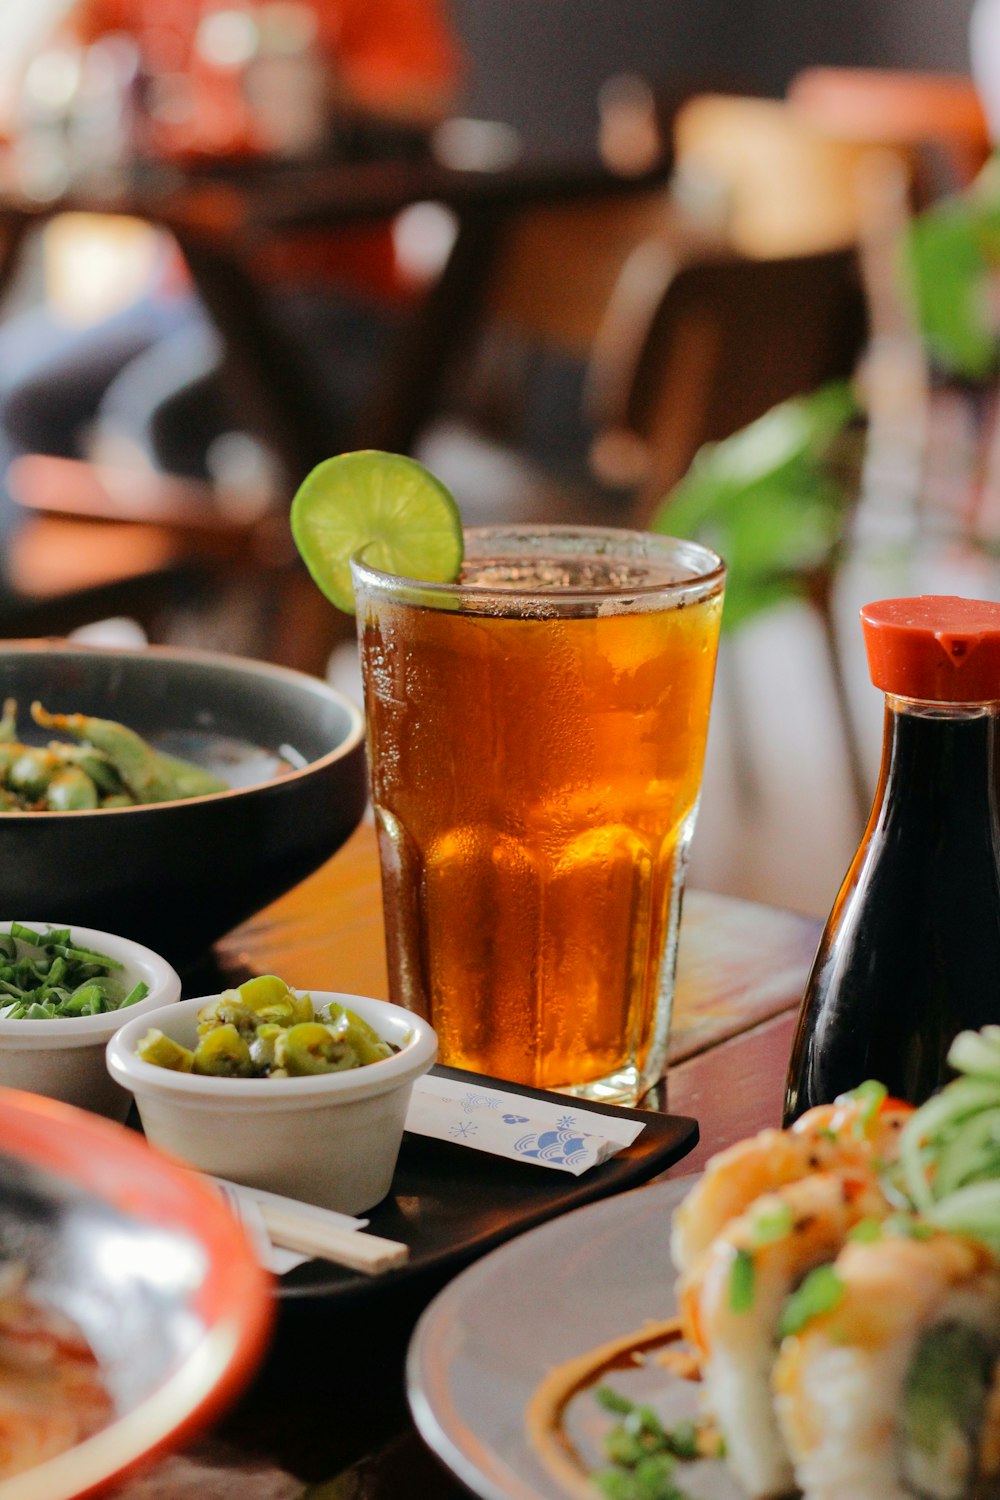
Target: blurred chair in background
[780,184]
[773,183]
[936,117]
[655,343]
[689,354]
[510,434]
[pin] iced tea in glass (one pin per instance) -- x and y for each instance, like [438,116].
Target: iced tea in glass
[536,740]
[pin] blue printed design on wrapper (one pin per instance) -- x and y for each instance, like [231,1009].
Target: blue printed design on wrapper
[515,1119]
[560,1147]
[479,1101]
[566,1122]
[462,1130]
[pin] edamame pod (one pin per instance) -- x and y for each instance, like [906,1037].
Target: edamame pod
[70,790]
[96,765]
[31,772]
[149,775]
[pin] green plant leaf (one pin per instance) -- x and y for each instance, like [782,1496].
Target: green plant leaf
[768,499]
[948,250]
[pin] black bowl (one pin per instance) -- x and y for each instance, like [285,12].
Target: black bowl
[177,875]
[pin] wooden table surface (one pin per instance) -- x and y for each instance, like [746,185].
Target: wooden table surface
[331,1413]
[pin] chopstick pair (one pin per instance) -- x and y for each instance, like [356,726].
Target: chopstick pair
[317,1232]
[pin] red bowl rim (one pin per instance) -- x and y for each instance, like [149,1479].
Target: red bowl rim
[234,1300]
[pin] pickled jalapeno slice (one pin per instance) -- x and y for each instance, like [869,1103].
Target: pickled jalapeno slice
[265,1029]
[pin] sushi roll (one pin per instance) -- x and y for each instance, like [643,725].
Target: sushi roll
[860,1130]
[890,1390]
[731,1303]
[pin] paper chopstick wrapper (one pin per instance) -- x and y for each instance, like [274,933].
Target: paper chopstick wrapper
[272,1257]
[566,1136]
[250,1205]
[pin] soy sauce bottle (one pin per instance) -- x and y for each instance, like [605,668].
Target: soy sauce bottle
[911,951]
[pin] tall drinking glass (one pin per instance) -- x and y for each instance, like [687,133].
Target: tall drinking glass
[536,735]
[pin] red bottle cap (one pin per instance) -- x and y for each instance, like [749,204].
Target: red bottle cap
[936,648]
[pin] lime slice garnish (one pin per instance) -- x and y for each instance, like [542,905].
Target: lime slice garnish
[392,507]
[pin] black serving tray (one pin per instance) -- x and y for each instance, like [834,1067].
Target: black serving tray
[451,1205]
[331,1388]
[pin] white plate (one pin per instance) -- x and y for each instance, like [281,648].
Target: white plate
[485,1343]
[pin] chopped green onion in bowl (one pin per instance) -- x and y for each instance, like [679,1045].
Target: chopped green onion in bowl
[46,976]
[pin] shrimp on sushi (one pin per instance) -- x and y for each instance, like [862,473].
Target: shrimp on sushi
[856,1131]
[890,1390]
[731,1303]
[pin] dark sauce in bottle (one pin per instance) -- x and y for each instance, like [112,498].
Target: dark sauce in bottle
[911,952]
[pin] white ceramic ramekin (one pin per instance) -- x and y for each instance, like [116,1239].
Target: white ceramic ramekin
[331,1138]
[64,1059]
